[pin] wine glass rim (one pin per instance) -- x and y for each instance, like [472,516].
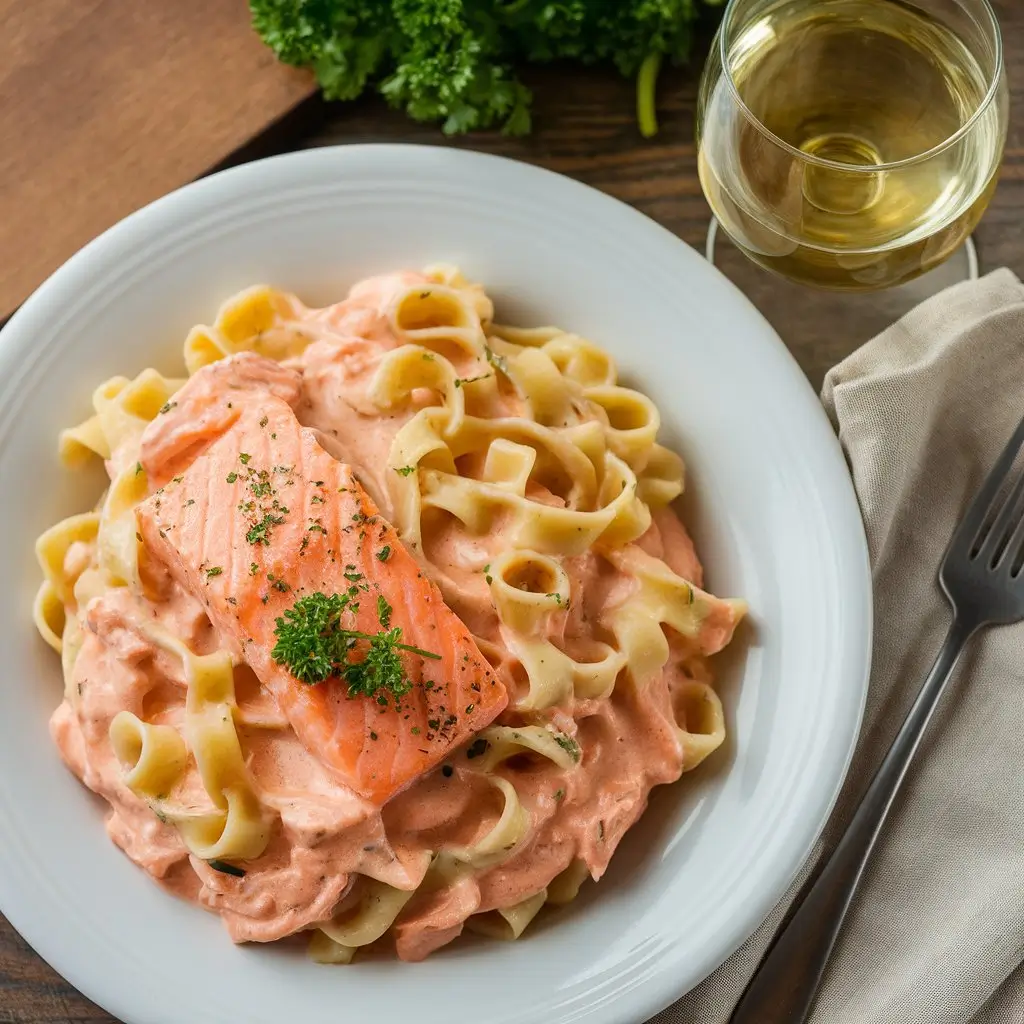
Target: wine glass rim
[810,158]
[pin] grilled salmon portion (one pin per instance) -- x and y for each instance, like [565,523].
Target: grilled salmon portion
[264,522]
[208,404]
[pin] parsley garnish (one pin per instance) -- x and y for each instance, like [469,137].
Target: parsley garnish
[261,486]
[226,869]
[214,570]
[459,381]
[383,611]
[498,362]
[244,457]
[232,477]
[167,407]
[487,573]
[259,533]
[569,745]
[384,553]
[313,645]
[138,468]
[405,470]
[477,748]
[559,795]
[264,421]
[253,568]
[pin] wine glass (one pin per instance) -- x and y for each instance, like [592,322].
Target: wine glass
[852,144]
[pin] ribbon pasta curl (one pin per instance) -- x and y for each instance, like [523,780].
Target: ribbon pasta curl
[237,828]
[566,462]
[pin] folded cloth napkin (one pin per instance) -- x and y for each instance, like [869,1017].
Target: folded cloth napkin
[936,932]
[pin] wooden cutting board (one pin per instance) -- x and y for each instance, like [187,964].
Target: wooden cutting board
[108,104]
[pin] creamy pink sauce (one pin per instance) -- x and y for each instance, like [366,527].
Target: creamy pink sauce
[324,834]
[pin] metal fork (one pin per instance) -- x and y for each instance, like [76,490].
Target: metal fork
[981,576]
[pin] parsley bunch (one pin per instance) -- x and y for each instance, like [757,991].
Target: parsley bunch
[314,645]
[452,60]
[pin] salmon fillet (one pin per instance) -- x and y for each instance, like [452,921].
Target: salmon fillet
[265,518]
[209,403]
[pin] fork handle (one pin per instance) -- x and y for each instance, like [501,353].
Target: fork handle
[783,987]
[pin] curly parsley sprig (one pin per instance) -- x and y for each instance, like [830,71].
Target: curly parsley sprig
[314,645]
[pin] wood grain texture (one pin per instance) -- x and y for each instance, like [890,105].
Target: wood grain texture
[584,127]
[107,104]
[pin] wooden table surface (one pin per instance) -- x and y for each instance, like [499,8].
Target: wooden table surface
[584,127]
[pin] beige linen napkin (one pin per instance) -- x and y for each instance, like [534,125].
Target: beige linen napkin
[936,932]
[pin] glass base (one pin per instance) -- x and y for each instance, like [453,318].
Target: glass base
[822,327]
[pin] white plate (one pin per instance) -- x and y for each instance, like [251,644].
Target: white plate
[770,500]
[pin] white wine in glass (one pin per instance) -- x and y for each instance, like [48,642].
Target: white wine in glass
[852,144]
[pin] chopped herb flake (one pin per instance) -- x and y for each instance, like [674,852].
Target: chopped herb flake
[405,470]
[569,745]
[226,869]
[498,362]
[477,748]
[259,533]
